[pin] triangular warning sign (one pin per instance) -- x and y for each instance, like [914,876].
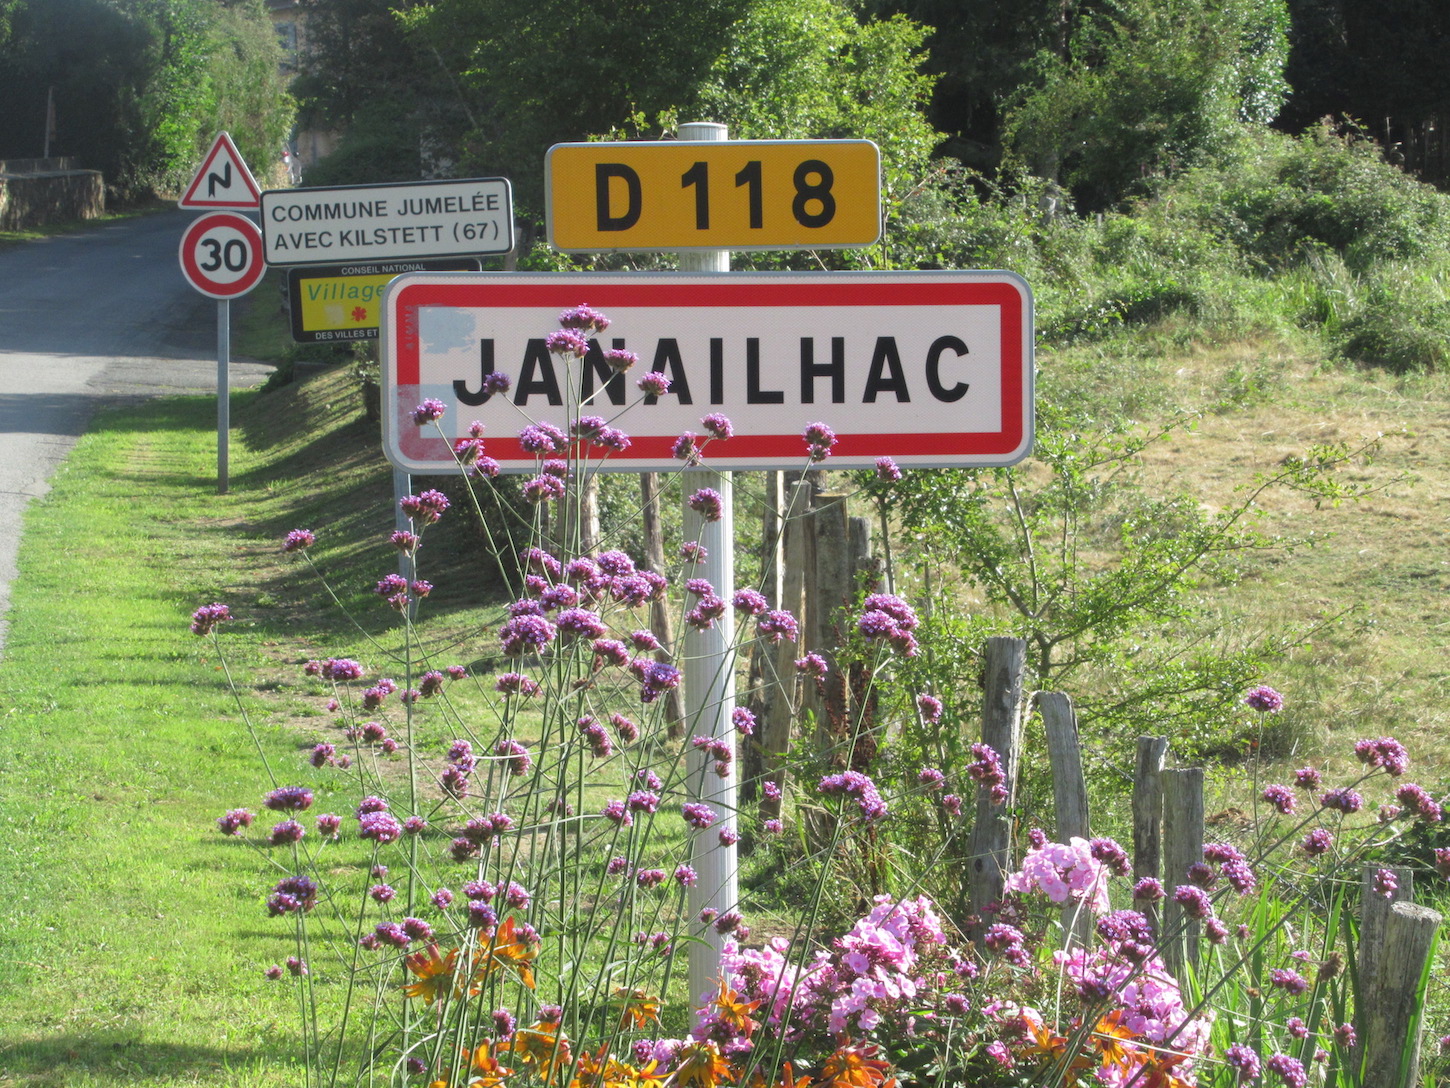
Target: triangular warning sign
[223,180]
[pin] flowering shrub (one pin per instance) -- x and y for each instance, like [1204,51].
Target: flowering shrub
[514,906]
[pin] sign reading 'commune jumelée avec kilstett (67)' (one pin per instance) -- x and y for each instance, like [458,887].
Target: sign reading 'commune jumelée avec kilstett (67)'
[411,220]
[932,369]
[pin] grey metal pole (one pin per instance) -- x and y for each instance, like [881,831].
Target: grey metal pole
[709,669]
[223,390]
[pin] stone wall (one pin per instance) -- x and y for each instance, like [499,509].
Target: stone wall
[34,192]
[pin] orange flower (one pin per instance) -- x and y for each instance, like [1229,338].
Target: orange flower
[635,1007]
[700,1065]
[1110,1037]
[435,974]
[786,1079]
[491,1074]
[856,1067]
[1157,1070]
[542,1046]
[735,1012]
[622,1075]
[508,949]
[590,1068]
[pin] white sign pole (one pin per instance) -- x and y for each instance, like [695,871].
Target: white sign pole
[223,390]
[709,669]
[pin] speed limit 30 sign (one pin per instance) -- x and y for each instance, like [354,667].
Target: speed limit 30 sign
[221,255]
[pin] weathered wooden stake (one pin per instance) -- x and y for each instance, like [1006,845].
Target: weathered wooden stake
[784,708]
[1182,847]
[1395,939]
[1069,794]
[1064,754]
[661,621]
[1148,815]
[1390,1005]
[990,844]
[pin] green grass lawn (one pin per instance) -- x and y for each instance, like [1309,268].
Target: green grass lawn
[132,935]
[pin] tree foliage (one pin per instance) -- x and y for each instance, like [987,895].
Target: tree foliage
[809,69]
[531,73]
[1148,88]
[141,86]
[1103,577]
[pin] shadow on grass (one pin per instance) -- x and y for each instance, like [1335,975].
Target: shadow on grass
[123,1058]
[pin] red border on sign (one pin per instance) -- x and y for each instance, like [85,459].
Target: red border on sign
[193,271]
[223,142]
[938,446]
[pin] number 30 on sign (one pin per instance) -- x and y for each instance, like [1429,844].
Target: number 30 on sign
[221,255]
[742,194]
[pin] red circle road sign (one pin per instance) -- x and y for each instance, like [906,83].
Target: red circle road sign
[221,255]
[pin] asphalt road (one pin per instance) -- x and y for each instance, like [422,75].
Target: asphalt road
[91,319]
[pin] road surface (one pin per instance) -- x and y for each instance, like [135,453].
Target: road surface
[96,318]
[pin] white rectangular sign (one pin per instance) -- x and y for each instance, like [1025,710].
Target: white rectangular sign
[387,222]
[929,368]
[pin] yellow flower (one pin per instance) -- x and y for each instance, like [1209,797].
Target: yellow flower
[735,1012]
[786,1079]
[634,1076]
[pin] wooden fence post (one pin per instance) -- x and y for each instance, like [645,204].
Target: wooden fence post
[1395,938]
[785,707]
[1069,795]
[828,588]
[990,843]
[1391,1010]
[661,619]
[1064,755]
[1148,816]
[831,590]
[1182,847]
[763,684]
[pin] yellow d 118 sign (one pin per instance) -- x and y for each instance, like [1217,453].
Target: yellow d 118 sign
[743,194]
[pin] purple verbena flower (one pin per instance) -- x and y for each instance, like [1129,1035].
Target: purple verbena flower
[1281,797]
[708,503]
[298,540]
[698,815]
[585,318]
[819,440]
[567,342]
[778,624]
[718,425]
[1264,699]
[234,820]
[205,618]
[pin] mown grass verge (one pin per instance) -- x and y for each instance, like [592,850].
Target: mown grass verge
[132,936]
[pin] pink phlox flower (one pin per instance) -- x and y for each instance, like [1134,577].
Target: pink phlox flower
[1063,871]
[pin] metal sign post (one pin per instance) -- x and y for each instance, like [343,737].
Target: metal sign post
[221,256]
[709,669]
[224,391]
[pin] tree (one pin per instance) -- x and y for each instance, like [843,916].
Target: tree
[1380,62]
[532,73]
[1152,88]
[141,85]
[808,69]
